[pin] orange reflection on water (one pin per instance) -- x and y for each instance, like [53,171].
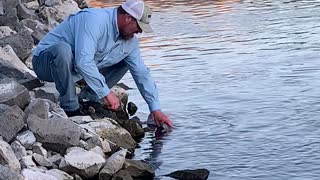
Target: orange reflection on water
[219,5]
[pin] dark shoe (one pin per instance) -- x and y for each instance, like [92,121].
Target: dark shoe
[77,112]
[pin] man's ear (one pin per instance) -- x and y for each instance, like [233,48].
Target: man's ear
[127,18]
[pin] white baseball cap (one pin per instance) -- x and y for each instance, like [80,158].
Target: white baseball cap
[140,11]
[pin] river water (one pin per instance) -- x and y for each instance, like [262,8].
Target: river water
[241,81]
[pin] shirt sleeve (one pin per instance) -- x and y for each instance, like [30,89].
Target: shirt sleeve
[87,31]
[143,79]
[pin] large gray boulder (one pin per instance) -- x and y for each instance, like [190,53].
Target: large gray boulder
[114,164]
[60,175]
[32,5]
[12,93]
[24,78]
[8,158]
[55,133]
[18,149]
[7,174]
[121,175]
[11,122]
[9,18]
[48,91]
[6,31]
[21,42]
[110,130]
[26,138]
[188,174]
[82,162]
[36,174]
[45,109]
[8,56]
[42,161]
[24,13]
[139,169]
[27,162]
[39,29]
[52,16]
[49,3]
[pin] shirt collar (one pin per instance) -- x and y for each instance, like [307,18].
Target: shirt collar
[115,22]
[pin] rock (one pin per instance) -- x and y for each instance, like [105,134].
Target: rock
[8,69]
[11,121]
[21,43]
[7,174]
[38,107]
[6,31]
[114,163]
[24,13]
[140,169]
[45,109]
[122,175]
[85,135]
[197,174]
[98,150]
[55,159]
[37,148]
[7,157]
[32,5]
[82,162]
[32,174]
[48,91]
[39,30]
[123,97]
[93,141]
[133,127]
[12,93]
[42,161]
[28,62]
[81,119]
[1,8]
[49,3]
[60,175]
[82,4]
[9,56]
[18,149]
[108,129]
[9,4]
[65,9]
[48,16]
[132,108]
[27,162]
[76,177]
[9,18]
[29,152]
[55,134]
[105,146]
[58,13]
[26,138]
[121,94]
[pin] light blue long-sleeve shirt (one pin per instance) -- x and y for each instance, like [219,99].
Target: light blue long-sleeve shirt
[94,37]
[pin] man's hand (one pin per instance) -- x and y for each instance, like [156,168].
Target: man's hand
[160,117]
[112,101]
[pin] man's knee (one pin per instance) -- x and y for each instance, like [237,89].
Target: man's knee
[62,53]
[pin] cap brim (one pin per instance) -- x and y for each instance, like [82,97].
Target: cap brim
[145,27]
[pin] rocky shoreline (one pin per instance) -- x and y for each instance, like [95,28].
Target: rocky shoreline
[37,139]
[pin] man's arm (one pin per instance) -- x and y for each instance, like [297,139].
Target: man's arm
[146,84]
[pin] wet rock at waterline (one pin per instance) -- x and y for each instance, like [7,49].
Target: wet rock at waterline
[196,174]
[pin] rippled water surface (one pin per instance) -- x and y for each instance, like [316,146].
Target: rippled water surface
[241,81]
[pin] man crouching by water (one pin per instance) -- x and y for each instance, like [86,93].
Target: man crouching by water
[98,45]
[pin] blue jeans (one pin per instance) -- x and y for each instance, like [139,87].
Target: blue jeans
[56,63]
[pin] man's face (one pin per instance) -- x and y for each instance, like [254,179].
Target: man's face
[131,28]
